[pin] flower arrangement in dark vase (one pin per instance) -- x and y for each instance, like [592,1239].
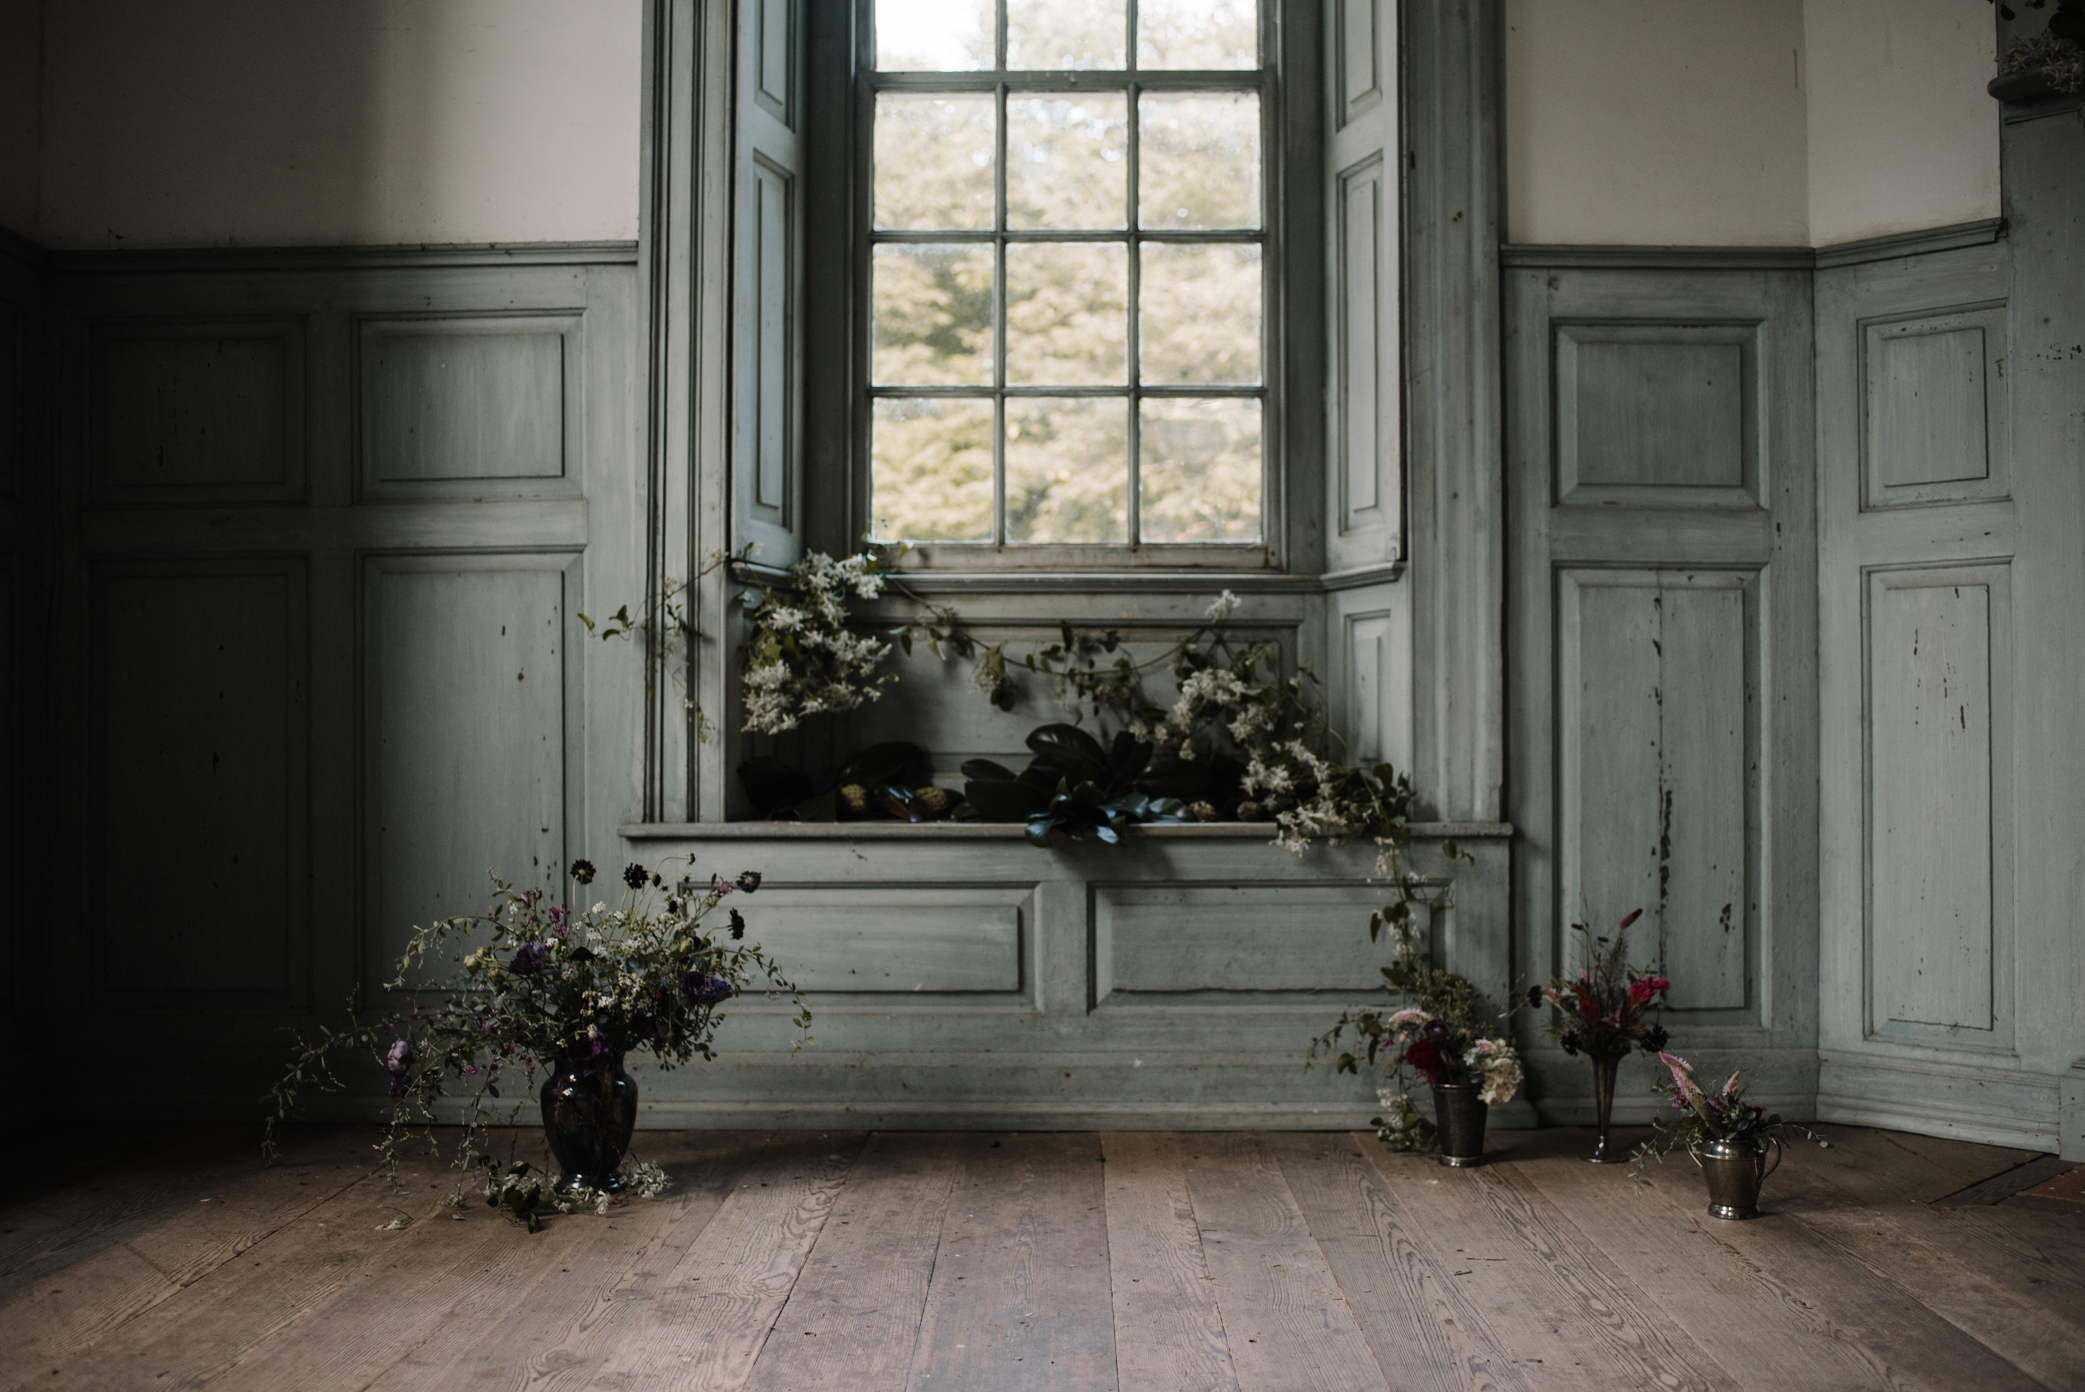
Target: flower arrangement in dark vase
[1443,1030]
[1727,1136]
[1603,1012]
[537,988]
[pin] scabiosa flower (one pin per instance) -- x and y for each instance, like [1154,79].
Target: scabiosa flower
[527,961]
[748,880]
[634,875]
[583,871]
[1534,997]
[703,989]
[738,924]
[1569,1039]
[400,1062]
[1655,1039]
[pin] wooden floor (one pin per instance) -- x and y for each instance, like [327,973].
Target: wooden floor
[1164,1261]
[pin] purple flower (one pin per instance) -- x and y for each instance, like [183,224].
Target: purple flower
[749,880]
[706,990]
[589,1056]
[528,961]
[400,1062]
[634,875]
[738,924]
[720,886]
[583,871]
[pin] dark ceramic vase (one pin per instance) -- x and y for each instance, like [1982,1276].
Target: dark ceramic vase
[588,1119]
[1460,1113]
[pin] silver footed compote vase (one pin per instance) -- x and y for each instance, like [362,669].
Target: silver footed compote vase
[1604,1067]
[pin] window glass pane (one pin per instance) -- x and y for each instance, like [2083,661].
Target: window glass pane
[1200,470]
[1067,314]
[933,315]
[1056,34]
[1199,163]
[931,470]
[1067,469]
[1198,34]
[1066,162]
[934,35]
[934,161]
[1199,314]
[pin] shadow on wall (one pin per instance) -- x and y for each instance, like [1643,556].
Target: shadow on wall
[335,122]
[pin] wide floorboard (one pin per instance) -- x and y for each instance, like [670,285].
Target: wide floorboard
[1177,1262]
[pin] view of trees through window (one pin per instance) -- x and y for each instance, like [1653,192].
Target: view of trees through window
[1066,282]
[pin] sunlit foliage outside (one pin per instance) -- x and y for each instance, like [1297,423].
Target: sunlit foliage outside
[1041,370]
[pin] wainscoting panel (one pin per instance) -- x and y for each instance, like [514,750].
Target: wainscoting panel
[199,411]
[952,942]
[323,513]
[1210,945]
[1656,678]
[1657,415]
[1662,640]
[465,728]
[201,752]
[468,401]
[1176,979]
[1949,767]
[1939,672]
[1934,428]
[1358,39]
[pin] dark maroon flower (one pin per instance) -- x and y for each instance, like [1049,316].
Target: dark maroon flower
[583,871]
[749,880]
[400,1062]
[527,961]
[738,924]
[634,875]
[1655,1039]
[1424,1054]
[1569,1039]
[580,954]
[1535,997]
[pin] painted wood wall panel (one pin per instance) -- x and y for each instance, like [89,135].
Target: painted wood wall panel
[200,409]
[913,940]
[1362,163]
[1934,428]
[1231,943]
[1657,414]
[465,735]
[1364,199]
[200,741]
[774,384]
[1358,25]
[1940,541]
[1660,482]
[1656,671]
[1934,659]
[464,399]
[14,358]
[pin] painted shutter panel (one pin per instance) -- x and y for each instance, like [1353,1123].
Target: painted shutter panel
[1363,492]
[767,309]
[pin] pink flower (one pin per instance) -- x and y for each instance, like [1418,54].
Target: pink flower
[1659,983]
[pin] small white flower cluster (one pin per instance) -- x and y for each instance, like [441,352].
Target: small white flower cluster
[1402,1126]
[801,659]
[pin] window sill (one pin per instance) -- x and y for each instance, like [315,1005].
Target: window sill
[998,831]
[930,582]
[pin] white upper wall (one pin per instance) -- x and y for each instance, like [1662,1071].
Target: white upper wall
[1902,134]
[1746,122]
[183,123]
[1655,122]
[21,96]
